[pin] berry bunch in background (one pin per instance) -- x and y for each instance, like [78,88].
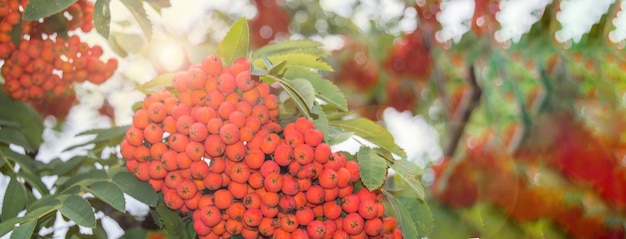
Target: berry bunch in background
[40,60]
[216,150]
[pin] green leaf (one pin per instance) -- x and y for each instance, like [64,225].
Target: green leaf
[158,4]
[408,225]
[31,123]
[8,225]
[15,200]
[139,190]
[28,168]
[24,230]
[304,91]
[109,193]
[79,211]
[84,179]
[13,136]
[70,164]
[373,168]
[324,89]
[410,173]
[236,42]
[16,33]
[286,47]
[36,9]
[136,8]
[171,221]
[102,17]
[160,81]
[336,136]
[321,122]
[371,132]
[124,43]
[304,60]
[107,134]
[421,214]
[300,91]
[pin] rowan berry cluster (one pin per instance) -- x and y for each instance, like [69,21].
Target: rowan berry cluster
[45,64]
[216,151]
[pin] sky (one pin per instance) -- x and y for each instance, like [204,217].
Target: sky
[184,16]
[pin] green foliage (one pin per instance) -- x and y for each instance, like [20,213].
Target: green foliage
[15,201]
[373,168]
[139,190]
[138,11]
[79,211]
[109,193]
[37,9]
[21,118]
[411,174]
[102,17]
[324,89]
[158,82]
[235,43]
[371,132]
[24,230]
[283,48]
[171,221]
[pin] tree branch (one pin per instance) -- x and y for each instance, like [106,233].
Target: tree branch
[462,115]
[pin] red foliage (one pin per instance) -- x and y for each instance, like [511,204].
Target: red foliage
[271,21]
[410,57]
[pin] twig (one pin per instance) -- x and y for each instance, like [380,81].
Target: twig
[462,115]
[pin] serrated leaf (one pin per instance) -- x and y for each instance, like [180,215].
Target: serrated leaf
[109,193]
[36,9]
[14,200]
[286,47]
[171,222]
[30,121]
[159,4]
[164,80]
[64,167]
[420,213]
[324,89]
[300,91]
[371,132]
[24,230]
[79,211]
[305,91]
[405,220]
[297,59]
[373,168]
[139,190]
[136,8]
[337,136]
[410,173]
[236,42]
[102,17]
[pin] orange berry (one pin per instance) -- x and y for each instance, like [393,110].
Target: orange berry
[223,198]
[229,133]
[199,169]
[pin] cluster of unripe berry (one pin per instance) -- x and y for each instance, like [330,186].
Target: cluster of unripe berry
[44,64]
[216,150]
